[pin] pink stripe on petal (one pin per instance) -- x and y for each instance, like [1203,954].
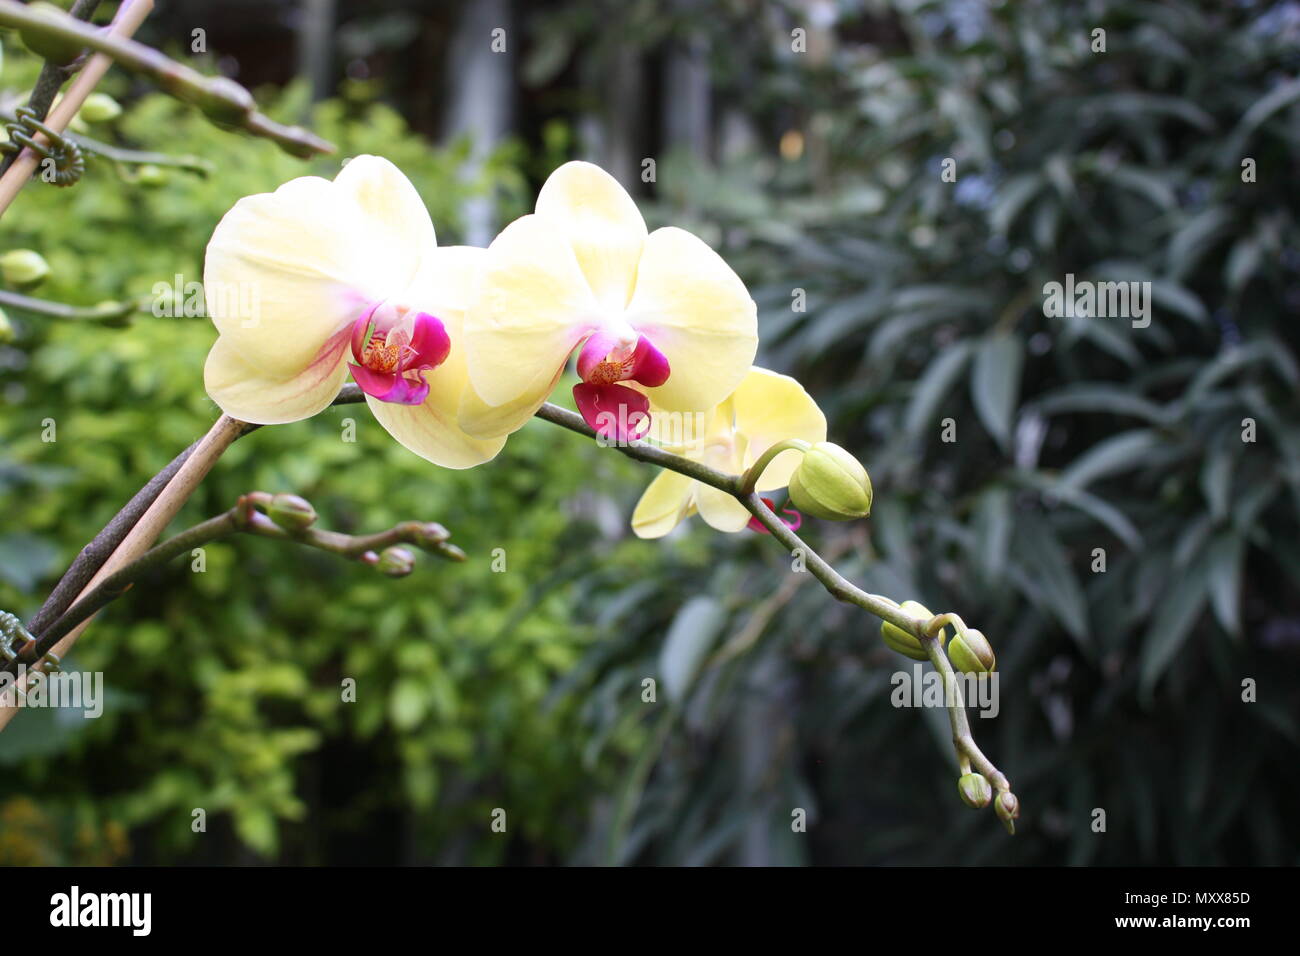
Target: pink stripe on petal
[616,412]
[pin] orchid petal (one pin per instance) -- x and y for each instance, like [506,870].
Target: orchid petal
[431,429]
[696,311]
[720,509]
[616,412]
[665,502]
[532,306]
[602,224]
[389,386]
[285,271]
[769,408]
[251,394]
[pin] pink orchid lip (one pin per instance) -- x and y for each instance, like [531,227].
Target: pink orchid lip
[616,412]
[795,522]
[393,349]
[599,362]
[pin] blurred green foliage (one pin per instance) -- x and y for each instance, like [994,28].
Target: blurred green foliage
[1120,690]
[225,686]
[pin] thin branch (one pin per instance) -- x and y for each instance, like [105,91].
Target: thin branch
[245,518]
[129,17]
[223,100]
[53,76]
[836,585]
[113,311]
[94,554]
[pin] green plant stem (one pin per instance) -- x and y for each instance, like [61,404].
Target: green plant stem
[925,630]
[223,100]
[61,310]
[749,480]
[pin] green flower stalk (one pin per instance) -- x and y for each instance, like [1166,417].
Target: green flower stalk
[830,483]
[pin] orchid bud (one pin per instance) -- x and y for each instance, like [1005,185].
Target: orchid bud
[830,483]
[904,642]
[396,562]
[975,789]
[99,108]
[57,50]
[1007,807]
[971,653]
[224,101]
[291,512]
[6,328]
[23,267]
[151,175]
[430,536]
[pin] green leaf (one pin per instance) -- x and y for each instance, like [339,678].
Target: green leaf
[1112,455]
[934,384]
[1046,577]
[1225,560]
[1094,397]
[1172,621]
[692,633]
[995,383]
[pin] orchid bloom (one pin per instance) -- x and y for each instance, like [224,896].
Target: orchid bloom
[660,317]
[765,409]
[320,278]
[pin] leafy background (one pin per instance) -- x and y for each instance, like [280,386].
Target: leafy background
[1119,690]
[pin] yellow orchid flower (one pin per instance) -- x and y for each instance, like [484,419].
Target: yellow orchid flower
[319,278]
[765,409]
[657,310]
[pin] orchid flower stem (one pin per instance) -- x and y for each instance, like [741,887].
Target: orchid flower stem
[245,518]
[120,553]
[750,478]
[926,631]
[223,100]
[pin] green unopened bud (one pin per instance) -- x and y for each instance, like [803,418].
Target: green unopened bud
[830,483]
[396,562]
[1007,807]
[971,653]
[23,267]
[57,50]
[224,101]
[99,108]
[430,535]
[6,328]
[902,641]
[975,790]
[291,512]
[150,175]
